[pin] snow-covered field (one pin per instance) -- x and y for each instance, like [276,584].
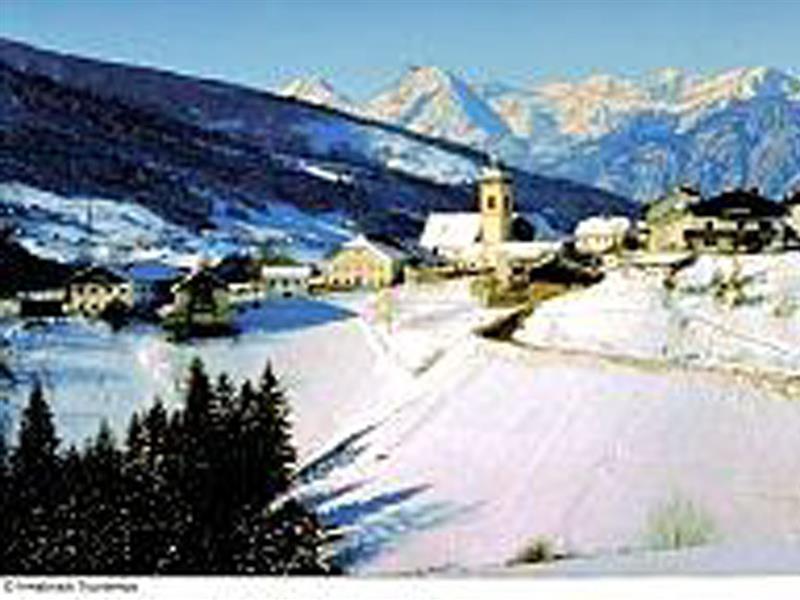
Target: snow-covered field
[91,372]
[57,227]
[517,445]
[433,449]
[632,314]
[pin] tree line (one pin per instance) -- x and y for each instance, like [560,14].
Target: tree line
[197,489]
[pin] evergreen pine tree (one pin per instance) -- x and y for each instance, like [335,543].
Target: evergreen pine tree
[157,512]
[198,401]
[35,460]
[102,501]
[195,490]
[35,479]
[135,441]
[275,406]
[282,539]
[155,433]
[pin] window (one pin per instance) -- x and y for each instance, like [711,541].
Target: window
[490,202]
[507,203]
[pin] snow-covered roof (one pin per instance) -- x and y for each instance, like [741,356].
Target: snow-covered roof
[603,226]
[362,241]
[451,230]
[493,172]
[286,271]
[530,249]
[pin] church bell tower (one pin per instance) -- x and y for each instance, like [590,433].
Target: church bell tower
[495,194]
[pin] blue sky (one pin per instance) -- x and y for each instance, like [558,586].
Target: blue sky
[362,45]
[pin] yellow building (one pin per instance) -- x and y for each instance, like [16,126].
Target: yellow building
[93,290]
[496,201]
[362,262]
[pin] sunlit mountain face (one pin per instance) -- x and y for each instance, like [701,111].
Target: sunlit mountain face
[635,136]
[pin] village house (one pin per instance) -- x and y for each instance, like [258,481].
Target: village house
[242,278]
[284,281]
[475,241]
[91,291]
[31,286]
[602,235]
[201,305]
[9,307]
[363,262]
[666,220]
[734,221]
[47,301]
[152,283]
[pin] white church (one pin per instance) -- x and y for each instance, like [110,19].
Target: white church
[494,237]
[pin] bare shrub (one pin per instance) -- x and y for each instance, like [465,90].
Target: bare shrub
[539,550]
[678,523]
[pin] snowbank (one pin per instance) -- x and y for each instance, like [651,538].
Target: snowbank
[704,320]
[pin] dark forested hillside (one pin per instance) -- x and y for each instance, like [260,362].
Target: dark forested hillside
[177,145]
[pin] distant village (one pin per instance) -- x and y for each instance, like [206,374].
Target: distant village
[498,246]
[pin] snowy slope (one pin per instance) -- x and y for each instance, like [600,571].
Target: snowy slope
[632,314]
[56,227]
[459,464]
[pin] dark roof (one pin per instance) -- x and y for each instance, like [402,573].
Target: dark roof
[689,190]
[738,204]
[21,271]
[97,274]
[236,269]
[556,270]
[203,278]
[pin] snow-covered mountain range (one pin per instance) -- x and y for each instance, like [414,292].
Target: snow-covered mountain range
[204,155]
[637,137]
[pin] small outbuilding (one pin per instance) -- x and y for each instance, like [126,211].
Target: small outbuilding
[152,283]
[284,281]
[602,235]
[242,278]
